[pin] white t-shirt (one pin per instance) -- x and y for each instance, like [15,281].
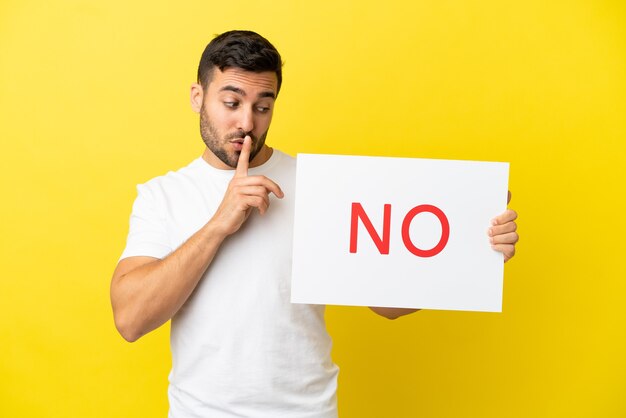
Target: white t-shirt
[239,347]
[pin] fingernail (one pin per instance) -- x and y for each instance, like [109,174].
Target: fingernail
[494,222]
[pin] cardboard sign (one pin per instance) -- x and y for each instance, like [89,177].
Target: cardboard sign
[397,232]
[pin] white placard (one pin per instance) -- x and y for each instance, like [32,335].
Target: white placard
[403,259]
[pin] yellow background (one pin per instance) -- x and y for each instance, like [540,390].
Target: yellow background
[94,99]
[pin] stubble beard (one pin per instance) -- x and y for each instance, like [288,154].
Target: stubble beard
[211,139]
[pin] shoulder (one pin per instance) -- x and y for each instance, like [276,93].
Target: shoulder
[173,181]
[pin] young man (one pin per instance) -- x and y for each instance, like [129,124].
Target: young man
[209,247]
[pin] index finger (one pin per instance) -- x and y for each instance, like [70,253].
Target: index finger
[508,215]
[244,158]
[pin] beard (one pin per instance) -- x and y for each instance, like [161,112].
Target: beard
[211,139]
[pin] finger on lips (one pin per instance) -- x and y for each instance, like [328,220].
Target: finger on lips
[241,171]
[244,158]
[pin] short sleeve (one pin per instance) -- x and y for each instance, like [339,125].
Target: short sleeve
[147,233]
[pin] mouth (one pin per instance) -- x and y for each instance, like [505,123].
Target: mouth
[237,144]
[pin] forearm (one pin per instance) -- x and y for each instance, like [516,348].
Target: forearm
[149,295]
[392,313]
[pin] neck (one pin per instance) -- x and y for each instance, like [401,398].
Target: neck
[262,156]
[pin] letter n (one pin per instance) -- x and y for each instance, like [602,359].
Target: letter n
[359,212]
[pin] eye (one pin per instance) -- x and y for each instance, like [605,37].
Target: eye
[232,105]
[262,109]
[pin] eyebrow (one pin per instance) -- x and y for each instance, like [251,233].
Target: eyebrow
[243,93]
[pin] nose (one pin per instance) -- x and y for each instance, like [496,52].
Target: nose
[246,120]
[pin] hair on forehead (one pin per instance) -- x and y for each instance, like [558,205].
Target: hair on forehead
[242,49]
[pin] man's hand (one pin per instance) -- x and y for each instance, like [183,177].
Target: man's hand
[502,233]
[243,194]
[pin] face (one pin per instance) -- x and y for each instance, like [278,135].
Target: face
[236,103]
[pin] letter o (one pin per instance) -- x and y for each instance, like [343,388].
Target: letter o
[445,230]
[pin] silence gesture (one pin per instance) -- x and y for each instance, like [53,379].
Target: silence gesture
[243,194]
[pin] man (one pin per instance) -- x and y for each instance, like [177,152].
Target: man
[209,247]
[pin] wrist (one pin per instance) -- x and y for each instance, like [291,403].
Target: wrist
[214,232]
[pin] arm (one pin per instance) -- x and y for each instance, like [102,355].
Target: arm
[146,292]
[502,236]
[392,313]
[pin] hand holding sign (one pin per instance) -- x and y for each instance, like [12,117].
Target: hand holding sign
[502,233]
[243,194]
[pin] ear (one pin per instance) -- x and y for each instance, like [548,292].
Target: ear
[196,97]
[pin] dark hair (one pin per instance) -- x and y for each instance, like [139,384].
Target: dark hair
[242,49]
